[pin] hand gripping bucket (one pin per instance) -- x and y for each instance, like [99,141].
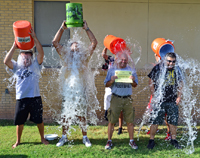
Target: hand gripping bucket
[23,39]
[161,47]
[114,44]
[74,15]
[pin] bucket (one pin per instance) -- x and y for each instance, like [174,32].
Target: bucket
[114,44]
[161,47]
[23,39]
[74,15]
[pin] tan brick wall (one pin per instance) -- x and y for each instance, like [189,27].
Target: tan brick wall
[10,11]
[13,10]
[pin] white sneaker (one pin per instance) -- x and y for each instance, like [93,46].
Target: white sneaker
[61,142]
[86,141]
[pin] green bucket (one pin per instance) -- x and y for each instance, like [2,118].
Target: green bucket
[74,15]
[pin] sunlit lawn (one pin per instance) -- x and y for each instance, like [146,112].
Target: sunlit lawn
[32,147]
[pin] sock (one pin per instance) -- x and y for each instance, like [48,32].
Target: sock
[84,136]
[64,136]
[131,140]
[110,140]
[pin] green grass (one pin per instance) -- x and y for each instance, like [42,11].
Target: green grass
[32,147]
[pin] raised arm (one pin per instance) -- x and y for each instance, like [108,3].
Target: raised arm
[58,36]
[104,53]
[151,85]
[38,45]
[91,36]
[9,55]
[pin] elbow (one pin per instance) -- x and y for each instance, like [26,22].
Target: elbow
[94,43]
[5,61]
[54,43]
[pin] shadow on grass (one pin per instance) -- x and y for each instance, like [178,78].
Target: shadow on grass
[13,156]
[6,122]
[31,143]
[122,145]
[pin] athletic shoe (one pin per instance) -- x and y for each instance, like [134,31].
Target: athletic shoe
[168,137]
[86,141]
[133,145]
[119,131]
[151,144]
[108,145]
[61,142]
[174,142]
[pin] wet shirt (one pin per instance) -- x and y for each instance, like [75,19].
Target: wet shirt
[27,80]
[170,82]
[119,88]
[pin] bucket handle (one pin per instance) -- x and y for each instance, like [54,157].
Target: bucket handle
[169,41]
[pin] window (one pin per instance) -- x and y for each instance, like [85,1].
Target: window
[48,16]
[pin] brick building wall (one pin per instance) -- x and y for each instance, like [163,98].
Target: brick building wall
[10,11]
[13,10]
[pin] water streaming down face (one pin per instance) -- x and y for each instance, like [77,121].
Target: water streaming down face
[132,53]
[188,109]
[23,62]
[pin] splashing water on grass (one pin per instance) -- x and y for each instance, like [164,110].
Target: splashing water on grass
[188,109]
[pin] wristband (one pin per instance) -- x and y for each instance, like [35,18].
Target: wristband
[62,28]
[87,29]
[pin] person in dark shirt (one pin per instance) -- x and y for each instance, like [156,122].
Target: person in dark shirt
[165,82]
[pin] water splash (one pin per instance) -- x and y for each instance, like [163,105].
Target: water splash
[188,110]
[76,83]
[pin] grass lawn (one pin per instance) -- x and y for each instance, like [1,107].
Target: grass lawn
[32,147]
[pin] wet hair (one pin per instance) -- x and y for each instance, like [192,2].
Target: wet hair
[73,43]
[171,55]
[26,52]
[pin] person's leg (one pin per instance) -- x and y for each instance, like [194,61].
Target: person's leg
[173,131]
[130,127]
[120,119]
[130,130]
[153,129]
[36,115]
[113,116]
[83,125]
[110,133]
[168,136]
[19,129]
[120,123]
[167,124]
[41,131]
[174,142]
[21,114]
[110,130]
[65,128]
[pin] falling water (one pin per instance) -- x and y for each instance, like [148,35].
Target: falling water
[188,109]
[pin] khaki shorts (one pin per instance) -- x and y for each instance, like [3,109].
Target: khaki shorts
[117,105]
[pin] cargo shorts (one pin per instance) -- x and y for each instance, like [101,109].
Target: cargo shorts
[118,104]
